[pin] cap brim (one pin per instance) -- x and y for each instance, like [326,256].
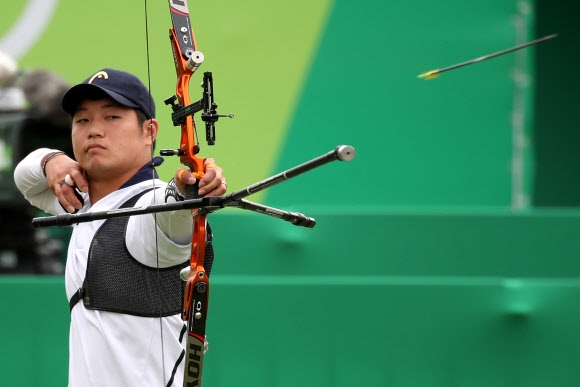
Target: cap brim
[75,95]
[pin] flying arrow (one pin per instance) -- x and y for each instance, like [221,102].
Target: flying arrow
[435,73]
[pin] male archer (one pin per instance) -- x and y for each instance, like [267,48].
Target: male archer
[122,274]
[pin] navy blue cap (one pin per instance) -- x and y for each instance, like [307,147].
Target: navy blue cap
[123,87]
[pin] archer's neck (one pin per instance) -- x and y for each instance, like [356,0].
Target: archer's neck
[99,188]
[101,185]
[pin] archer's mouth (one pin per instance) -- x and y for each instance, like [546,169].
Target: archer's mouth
[94,147]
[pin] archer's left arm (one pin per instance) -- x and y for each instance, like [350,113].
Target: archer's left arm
[176,225]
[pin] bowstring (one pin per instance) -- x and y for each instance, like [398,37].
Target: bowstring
[154,198]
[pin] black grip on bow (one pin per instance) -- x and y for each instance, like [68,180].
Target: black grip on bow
[191,191]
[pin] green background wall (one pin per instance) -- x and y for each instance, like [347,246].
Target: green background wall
[419,271]
[556,109]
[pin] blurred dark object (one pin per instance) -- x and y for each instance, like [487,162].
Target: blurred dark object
[30,118]
[44,90]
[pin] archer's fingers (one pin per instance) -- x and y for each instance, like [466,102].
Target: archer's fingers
[213,182]
[68,197]
[77,179]
[183,177]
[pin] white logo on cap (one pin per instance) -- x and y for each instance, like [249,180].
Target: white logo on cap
[100,74]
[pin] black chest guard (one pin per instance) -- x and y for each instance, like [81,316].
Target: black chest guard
[117,282]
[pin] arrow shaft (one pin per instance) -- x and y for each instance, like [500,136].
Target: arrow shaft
[499,53]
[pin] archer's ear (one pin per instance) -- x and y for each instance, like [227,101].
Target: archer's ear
[151,128]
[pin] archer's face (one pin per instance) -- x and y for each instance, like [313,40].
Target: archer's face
[108,141]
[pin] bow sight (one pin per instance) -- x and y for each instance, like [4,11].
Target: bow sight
[206,104]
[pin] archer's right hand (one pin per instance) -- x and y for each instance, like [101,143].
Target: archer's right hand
[64,175]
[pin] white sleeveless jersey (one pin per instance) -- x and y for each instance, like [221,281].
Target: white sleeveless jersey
[114,349]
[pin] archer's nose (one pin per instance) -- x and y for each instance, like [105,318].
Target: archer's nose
[94,131]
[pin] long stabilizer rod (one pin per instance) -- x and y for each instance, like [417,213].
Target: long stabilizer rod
[211,204]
